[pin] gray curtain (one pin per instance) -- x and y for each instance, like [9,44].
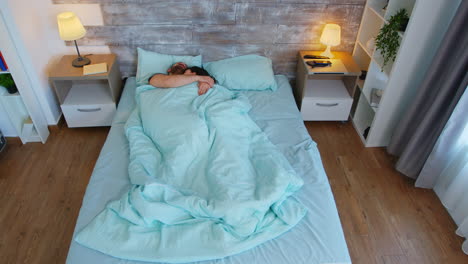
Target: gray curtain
[436,98]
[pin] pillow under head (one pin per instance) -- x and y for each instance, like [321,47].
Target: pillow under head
[248,72]
[150,63]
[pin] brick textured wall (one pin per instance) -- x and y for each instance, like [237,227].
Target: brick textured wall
[220,29]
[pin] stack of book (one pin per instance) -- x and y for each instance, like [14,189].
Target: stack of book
[3,65]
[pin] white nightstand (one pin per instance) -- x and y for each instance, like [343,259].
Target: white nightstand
[87,100]
[325,93]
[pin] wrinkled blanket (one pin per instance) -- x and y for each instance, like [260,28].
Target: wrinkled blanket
[207,182]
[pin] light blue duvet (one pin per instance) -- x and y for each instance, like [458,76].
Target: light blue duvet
[207,182]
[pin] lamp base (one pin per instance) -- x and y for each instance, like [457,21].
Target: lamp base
[80,62]
[327,53]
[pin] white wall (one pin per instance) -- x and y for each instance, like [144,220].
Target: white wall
[35,24]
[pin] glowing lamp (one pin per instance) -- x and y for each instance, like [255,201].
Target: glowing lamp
[331,36]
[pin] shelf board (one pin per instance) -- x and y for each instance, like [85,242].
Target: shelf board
[4,72]
[365,49]
[4,93]
[11,95]
[380,15]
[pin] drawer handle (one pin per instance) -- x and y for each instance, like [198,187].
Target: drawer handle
[326,105]
[89,110]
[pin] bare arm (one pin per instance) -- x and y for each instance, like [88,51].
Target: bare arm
[203,87]
[172,81]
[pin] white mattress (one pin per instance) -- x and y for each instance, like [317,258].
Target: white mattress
[317,239]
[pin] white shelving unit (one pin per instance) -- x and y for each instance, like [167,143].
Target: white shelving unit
[15,120]
[368,121]
[34,128]
[18,117]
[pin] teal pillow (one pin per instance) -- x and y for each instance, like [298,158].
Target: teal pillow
[150,63]
[249,72]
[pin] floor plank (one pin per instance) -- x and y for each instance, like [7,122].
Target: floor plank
[41,187]
[395,259]
[405,224]
[385,219]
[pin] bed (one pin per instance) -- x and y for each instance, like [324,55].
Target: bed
[317,239]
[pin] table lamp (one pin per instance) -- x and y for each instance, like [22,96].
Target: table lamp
[331,36]
[70,28]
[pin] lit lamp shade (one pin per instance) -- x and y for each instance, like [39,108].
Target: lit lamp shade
[331,36]
[70,27]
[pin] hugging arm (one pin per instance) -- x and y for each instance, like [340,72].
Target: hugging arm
[203,87]
[172,81]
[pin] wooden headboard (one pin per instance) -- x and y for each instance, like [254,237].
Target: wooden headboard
[219,29]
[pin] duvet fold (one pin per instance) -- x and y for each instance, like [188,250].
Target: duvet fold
[206,181]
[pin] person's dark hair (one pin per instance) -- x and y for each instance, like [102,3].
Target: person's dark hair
[201,72]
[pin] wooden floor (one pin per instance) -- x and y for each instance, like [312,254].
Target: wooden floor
[385,219]
[41,188]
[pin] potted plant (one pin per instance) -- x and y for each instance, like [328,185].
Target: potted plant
[388,40]
[7,81]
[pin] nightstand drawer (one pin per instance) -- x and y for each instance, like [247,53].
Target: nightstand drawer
[316,109]
[89,115]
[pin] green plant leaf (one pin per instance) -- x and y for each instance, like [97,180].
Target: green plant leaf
[6,80]
[388,40]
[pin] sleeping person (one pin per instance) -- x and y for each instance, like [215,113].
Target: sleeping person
[180,74]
